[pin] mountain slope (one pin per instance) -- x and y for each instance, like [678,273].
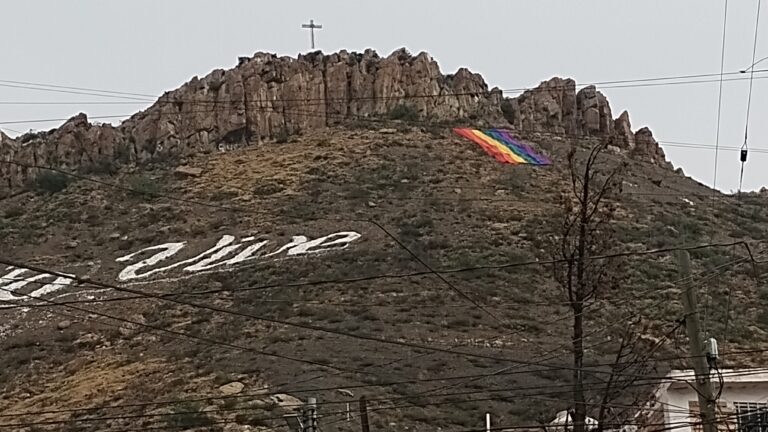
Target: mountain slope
[413,191]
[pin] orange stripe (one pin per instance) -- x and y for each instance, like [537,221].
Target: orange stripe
[516,159]
[506,154]
[491,150]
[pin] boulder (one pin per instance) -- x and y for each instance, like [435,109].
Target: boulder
[188,171]
[232,388]
[266,96]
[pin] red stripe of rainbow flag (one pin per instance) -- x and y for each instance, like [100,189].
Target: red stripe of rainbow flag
[500,144]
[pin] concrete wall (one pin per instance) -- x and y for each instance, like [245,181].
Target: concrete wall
[677,400]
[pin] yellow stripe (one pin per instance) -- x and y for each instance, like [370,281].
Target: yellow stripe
[501,147]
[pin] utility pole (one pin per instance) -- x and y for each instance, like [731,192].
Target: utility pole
[364,414]
[312,26]
[310,415]
[700,365]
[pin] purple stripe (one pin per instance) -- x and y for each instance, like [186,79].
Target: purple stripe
[528,149]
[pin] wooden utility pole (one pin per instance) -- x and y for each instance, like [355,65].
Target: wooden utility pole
[707,401]
[364,414]
[310,415]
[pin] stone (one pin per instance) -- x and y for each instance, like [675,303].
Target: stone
[127,331]
[287,402]
[344,87]
[232,388]
[63,325]
[187,171]
[71,244]
[371,204]
[624,134]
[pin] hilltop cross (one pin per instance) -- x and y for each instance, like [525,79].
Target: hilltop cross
[312,26]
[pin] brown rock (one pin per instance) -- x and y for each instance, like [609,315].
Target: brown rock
[550,107]
[187,171]
[232,388]
[594,112]
[267,95]
[624,134]
[647,148]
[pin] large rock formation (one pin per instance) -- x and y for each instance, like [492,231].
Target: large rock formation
[555,107]
[267,96]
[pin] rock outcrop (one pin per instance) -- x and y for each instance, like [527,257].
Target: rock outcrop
[267,96]
[555,107]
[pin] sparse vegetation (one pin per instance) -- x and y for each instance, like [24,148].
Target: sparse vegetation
[404,112]
[188,415]
[51,182]
[14,211]
[143,186]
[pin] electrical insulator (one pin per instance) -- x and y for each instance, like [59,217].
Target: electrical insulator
[744,155]
[711,349]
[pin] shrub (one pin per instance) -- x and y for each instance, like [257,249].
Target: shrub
[52,182]
[188,416]
[14,212]
[508,110]
[105,167]
[404,112]
[282,136]
[141,185]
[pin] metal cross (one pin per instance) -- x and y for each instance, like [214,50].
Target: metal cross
[312,26]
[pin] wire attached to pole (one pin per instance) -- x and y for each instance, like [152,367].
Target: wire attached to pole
[719,101]
[745,147]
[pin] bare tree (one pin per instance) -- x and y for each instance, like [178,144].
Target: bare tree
[585,233]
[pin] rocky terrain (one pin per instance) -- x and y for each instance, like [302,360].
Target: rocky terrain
[332,186]
[268,96]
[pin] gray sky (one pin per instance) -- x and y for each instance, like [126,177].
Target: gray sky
[149,46]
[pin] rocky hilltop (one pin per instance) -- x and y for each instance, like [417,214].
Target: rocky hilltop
[266,96]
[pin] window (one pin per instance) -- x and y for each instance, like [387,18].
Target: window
[752,416]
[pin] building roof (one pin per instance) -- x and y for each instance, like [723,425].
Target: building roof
[676,378]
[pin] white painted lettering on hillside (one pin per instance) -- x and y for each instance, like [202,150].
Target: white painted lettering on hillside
[19,278]
[226,255]
[219,257]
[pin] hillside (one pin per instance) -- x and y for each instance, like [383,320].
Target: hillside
[376,176]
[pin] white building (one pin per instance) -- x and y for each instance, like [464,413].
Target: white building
[742,405]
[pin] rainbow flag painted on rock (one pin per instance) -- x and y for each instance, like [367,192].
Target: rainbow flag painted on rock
[500,144]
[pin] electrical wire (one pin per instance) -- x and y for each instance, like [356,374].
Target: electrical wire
[745,146]
[143,97]
[327,100]
[82,282]
[720,98]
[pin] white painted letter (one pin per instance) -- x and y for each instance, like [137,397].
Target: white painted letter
[168,250]
[14,282]
[320,244]
[130,272]
[247,254]
[296,241]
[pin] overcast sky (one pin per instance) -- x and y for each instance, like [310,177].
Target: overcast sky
[149,46]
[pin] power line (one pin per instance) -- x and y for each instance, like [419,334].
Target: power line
[720,96]
[536,262]
[309,327]
[592,386]
[745,146]
[325,100]
[427,401]
[205,340]
[149,98]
